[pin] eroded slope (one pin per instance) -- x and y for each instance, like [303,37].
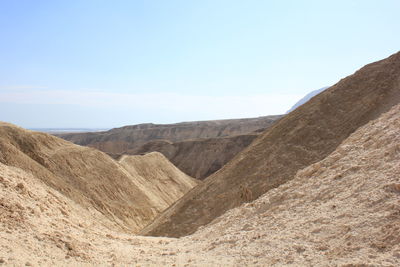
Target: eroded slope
[304,136]
[87,176]
[341,211]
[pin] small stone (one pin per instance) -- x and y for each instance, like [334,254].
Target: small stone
[69,246]
[299,249]
[20,186]
[109,236]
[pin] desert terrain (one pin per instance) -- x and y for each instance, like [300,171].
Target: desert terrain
[341,211]
[318,187]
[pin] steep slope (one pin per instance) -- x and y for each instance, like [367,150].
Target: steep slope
[306,98]
[87,176]
[173,140]
[341,211]
[198,157]
[305,136]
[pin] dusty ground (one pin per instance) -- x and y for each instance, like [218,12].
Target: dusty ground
[342,211]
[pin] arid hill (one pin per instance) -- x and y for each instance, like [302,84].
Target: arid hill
[93,179]
[303,137]
[210,149]
[341,211]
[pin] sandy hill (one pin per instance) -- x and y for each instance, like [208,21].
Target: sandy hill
[93,179]
[341,211]
[303,137]
[173,141]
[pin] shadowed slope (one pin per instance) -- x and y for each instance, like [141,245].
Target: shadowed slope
[303,137]
[85,175]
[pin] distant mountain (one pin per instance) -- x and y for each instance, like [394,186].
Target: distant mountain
[306,98]
[198,148]
[68,130]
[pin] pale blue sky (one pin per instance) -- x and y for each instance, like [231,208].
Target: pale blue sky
[112,63]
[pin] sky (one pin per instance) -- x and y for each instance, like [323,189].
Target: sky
[103,64]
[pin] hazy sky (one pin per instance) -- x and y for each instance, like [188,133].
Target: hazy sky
[112,63]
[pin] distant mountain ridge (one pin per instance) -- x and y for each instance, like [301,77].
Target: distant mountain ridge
[306,98]
[67,130]
[198,148]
